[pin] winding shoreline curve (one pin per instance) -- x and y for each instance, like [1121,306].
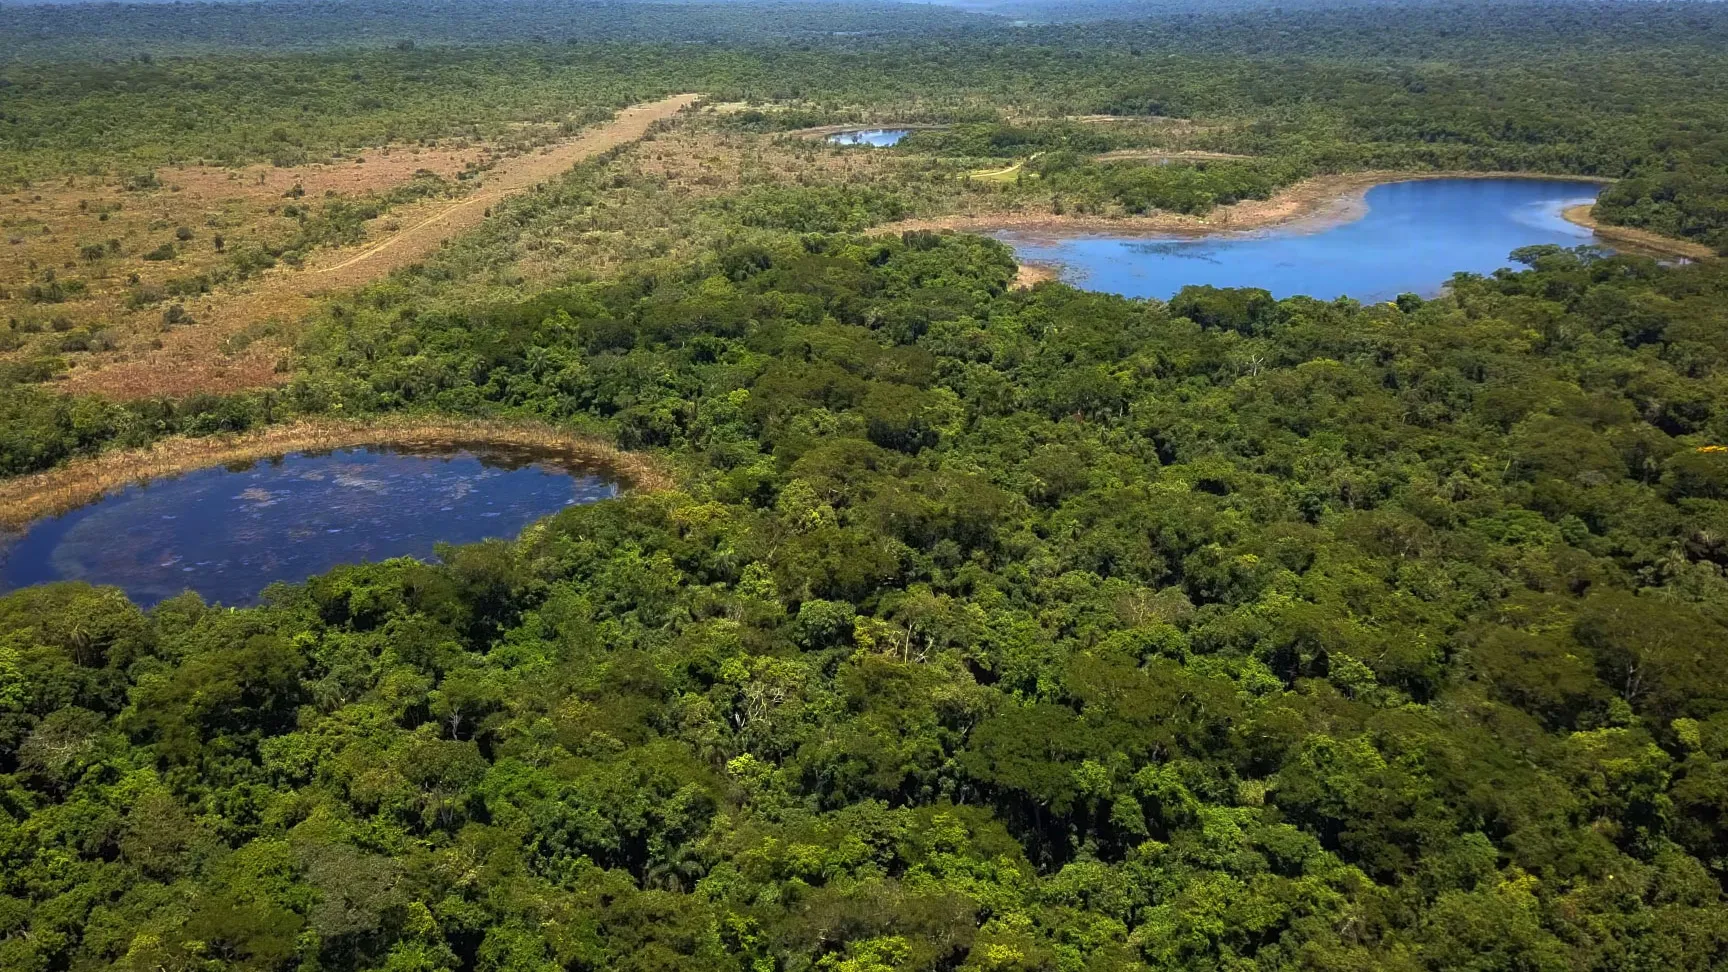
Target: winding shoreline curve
[1635,238]
[1314,204]
[54,491]
[1309,206]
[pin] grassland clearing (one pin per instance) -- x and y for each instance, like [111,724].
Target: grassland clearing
[211,343]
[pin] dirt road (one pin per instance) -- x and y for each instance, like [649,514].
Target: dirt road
[192,359]
[1169,155]
[349,269]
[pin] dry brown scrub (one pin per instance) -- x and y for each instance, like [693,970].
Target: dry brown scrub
[83,481]
[196,358]
[374,171]
[447,221]
[47,228]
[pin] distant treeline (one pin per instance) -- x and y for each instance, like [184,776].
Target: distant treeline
[1621,91]
[1426,28]
[122,29]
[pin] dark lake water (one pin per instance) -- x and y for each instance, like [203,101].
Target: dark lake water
[873,137]
[228,532]
[1414,237]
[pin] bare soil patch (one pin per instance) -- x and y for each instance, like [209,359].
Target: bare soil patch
[102,242]
[1030,275]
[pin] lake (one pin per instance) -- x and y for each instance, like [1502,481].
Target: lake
[227,532]
[873,137]
[1414,236]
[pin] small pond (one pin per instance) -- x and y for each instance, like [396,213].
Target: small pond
[873,137]
[227,532]
[1414,236]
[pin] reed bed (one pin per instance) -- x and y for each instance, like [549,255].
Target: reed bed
[82,481]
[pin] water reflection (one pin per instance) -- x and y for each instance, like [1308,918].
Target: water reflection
[229,532]
[1414,237]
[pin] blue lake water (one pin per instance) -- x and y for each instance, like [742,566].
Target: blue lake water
[1414,237]
[227,532]
[874,137]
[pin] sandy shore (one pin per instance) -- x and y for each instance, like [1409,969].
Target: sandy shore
[82,481]
[1637,239]
[1310,205]
[1030,275]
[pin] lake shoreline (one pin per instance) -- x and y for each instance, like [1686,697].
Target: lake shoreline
[1411,236]
[52,492]
[1635,238]
[1312,205]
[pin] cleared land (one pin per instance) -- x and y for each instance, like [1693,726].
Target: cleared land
[408,245]
[659,199]
[231,335]
[200,357]
[91,264]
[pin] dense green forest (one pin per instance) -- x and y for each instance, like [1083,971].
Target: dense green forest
[987,629]
[992,629]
